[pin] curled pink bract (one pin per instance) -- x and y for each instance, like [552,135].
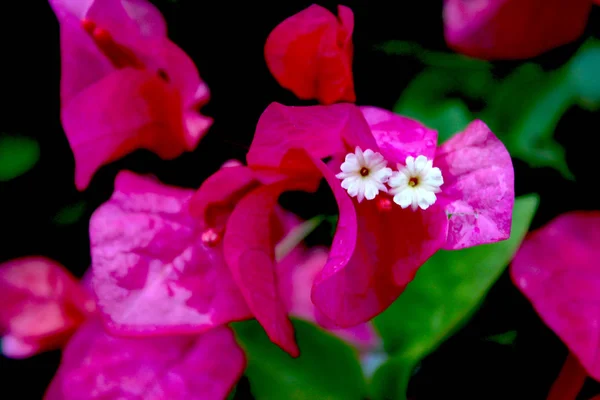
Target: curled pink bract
[310,53]
[42,305]
[512,29]
[124,84]
[557,269]
[96,365]
[378,246]
[156,268]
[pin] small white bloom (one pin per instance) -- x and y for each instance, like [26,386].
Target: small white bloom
[416,183]
[364,174]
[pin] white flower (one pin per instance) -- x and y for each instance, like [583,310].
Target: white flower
[364,174]
[416,183]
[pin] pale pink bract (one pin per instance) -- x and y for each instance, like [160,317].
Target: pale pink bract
[42,305]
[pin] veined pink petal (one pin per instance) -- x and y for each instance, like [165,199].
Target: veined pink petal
[156,268]
[296,274]
[249,246]
[310,53]
[557,269]
[321,131]
[42,305]
[512,29]
[478,190]
[98,366]
[116,56]
[398,136]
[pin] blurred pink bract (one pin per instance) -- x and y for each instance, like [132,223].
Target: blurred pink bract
[42,305]
[310,53]
[558,270]
[124,84]
[512,29]
[98,366]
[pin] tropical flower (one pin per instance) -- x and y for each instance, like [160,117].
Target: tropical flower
[378,245]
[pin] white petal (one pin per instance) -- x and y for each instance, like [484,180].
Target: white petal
[346,183]
[354,187]
[360,157]
[382,175]
[404,198]
[370,190]
[398,179]
[410,164]
[420,163]
[350,166]
[425,196]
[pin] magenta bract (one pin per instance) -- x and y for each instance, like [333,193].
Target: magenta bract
[557,269]
[96,365]
[310,53]
[124,84]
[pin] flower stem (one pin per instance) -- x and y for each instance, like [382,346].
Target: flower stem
[570,380]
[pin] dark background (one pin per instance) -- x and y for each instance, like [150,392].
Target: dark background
[226,41]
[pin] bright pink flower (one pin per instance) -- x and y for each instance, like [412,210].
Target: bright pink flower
[98,366]
[42,305]
[512,29]
[310,53]
[379,245]
[156,269]
[124,84]
[557,269]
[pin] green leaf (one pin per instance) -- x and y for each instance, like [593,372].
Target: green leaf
[523,109]
[18,154]
[327,368]
[426,98]
[583,74]
[444,294]
[506,338]
[69,214]
[296,236]
[524,112]
[432,58]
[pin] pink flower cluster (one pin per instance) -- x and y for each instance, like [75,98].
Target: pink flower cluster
[171,267]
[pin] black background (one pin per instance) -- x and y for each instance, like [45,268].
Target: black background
[226,41]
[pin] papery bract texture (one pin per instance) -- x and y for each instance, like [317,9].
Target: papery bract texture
[557,269]
[42,305]
[124,84]
[310,53]
[157,269]
[478,193]
[98,366]
[512,29]
[378,246]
